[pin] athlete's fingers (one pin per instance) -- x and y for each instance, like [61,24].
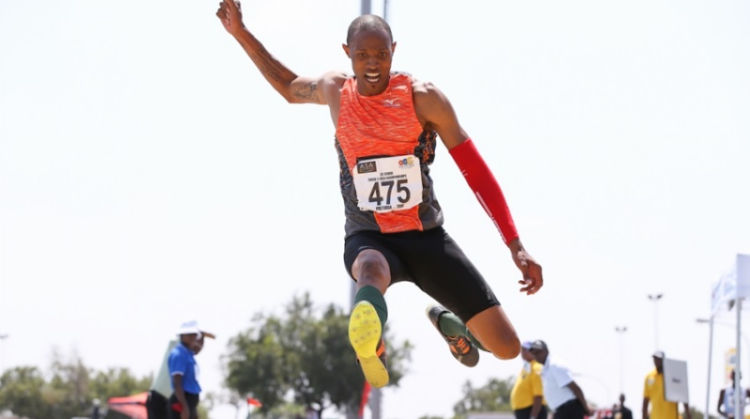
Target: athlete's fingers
[532,284]
[527,286]
[530,287]
[223,7]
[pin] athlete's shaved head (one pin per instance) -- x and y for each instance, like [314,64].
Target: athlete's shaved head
[370,47]
[368,23]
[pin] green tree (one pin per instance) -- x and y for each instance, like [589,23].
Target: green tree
[492,397]
[69,391]
[21,392]
[117,382]
[303,354]
[256,364]
[68,388]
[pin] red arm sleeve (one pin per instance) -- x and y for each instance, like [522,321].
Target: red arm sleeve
[485,188]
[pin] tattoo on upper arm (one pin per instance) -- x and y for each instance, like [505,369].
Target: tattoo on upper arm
[308,92]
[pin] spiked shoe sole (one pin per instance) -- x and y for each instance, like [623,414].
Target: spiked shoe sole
[364,334]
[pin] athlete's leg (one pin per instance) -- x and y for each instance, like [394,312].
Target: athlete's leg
[444,272]
[369,314]
[493,329]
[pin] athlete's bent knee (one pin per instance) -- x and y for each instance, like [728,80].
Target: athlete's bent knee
[371,268]
[509,349]
[495,332]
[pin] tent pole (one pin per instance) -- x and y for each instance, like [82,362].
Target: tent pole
[737,396]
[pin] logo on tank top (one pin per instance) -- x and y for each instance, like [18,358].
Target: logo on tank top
[391,103]
[367,167]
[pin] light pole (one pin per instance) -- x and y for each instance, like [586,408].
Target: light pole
[710,358]
[621,332]
[655,298]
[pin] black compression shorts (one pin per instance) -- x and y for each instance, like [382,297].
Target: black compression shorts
[433,262]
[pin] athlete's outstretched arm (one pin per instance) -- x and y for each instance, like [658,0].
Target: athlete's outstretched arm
[434,109]
[293,88]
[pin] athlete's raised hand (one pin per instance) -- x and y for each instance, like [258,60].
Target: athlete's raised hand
[230,14]
[531,270]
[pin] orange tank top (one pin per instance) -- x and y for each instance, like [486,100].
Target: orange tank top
[378,126]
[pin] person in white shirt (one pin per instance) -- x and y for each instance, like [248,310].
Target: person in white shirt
[562,394]
[726,400]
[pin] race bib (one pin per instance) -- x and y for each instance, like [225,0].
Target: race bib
[388,184]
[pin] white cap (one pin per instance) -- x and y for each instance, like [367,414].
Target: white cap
[191,328]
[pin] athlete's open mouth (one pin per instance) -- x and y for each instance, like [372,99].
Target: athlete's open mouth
[372,77]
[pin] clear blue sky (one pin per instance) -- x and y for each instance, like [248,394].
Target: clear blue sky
[148,174]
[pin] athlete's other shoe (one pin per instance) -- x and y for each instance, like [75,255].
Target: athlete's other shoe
[365,335]
[461,347]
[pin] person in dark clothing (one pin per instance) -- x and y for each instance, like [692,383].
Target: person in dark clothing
[622,412]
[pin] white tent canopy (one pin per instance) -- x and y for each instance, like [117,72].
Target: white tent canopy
[728,292]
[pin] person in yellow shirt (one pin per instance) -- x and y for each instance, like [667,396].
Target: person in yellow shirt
[653,393]
[527,397]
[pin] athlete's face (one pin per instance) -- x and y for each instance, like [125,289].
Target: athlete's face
[371,52]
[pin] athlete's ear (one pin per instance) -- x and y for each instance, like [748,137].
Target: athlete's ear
[346,49]
[393,48]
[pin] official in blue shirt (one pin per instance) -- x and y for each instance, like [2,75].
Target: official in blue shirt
[184,372]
